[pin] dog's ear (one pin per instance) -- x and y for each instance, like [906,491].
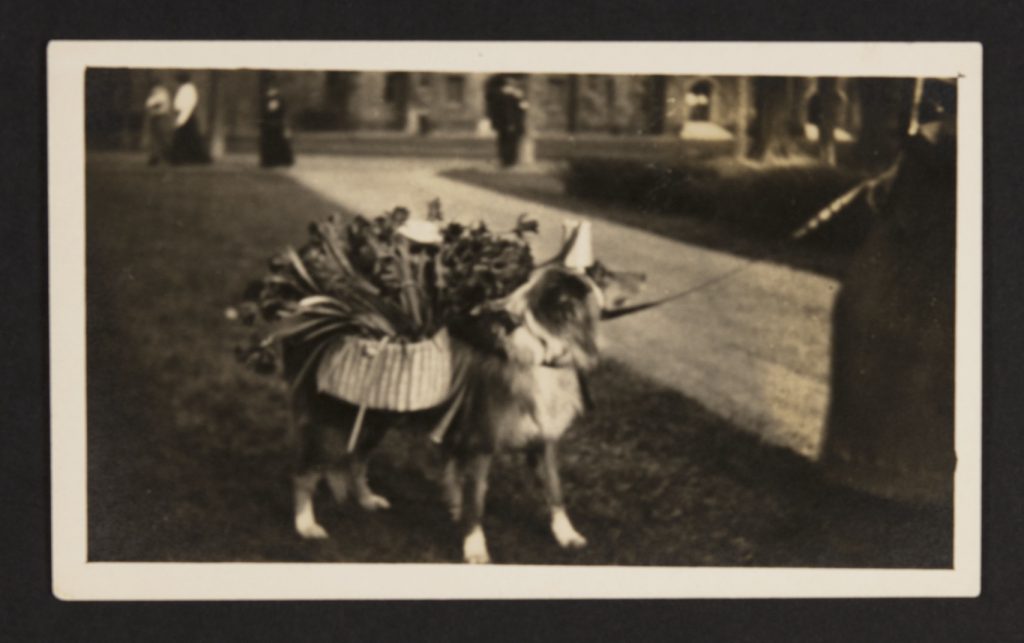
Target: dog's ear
[515,303]
[599,274]
[616,287]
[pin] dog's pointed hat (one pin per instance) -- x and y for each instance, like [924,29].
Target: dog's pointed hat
[580,254]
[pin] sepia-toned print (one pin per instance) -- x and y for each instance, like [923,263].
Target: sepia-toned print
[502,316]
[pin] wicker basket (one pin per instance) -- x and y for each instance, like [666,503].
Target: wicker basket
[388,376]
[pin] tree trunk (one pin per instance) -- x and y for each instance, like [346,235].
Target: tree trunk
[885,115]
[772,135]
[654,104]
[829,99]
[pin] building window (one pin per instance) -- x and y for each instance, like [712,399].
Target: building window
[396,87]
[698,101]
[813,118]
[557,93]
[455,90]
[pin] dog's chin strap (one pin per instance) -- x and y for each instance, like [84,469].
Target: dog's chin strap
[554,351]
[594,288]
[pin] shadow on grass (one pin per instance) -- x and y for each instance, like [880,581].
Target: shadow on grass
[189,455]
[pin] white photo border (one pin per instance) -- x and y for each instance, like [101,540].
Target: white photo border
[74,578]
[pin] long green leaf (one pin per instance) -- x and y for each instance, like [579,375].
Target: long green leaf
[379,306]
[410,295]
[331,329]
[300,268]
[375,322]
[320,311]
[297,326]
[318,300]
[343,262]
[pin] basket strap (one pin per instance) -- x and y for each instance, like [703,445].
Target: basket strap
[371,379]
[459,386]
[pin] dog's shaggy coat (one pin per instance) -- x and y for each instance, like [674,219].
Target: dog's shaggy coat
[523,387]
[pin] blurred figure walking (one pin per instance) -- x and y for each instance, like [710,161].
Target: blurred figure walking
[506,109]
[275,148]
[158,123]
[187,144]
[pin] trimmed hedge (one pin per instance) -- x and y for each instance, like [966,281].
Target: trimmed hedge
[768,201]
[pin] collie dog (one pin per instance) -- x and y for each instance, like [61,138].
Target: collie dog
[523,364]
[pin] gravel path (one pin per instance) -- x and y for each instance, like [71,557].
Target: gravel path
[753,348]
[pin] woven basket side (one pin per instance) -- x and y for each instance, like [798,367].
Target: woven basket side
[395,377]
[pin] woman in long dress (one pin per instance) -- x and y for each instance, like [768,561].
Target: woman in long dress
[158,123]
[275,148]
[187,145]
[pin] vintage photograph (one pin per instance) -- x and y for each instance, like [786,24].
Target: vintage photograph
[411,314]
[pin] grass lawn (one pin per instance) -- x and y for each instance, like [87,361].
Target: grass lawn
[189,454]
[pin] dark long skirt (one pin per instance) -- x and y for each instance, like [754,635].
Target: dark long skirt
[158,128]
[508,147]
[275,150]
[187,145]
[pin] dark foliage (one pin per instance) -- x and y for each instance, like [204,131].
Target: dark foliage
[769,201]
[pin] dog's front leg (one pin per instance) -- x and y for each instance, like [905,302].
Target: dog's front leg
[474,546]
[303,487]
[561,526]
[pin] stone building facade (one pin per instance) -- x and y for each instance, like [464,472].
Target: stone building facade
[439,103]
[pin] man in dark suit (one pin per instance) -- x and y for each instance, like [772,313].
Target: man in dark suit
[506,109]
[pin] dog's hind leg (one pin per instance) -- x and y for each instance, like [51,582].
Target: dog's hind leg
[474,545]
[367,499]
[545,461]
[453,487]
[337,482]
[303,486]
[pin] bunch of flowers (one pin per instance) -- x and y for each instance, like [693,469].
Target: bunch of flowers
[477,265]
[381,277]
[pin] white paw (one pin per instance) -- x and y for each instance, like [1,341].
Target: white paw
[310,530]
[575,540]
[565,533]
[474,548]
[373,502]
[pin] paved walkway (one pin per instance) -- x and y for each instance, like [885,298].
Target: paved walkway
[754,348]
